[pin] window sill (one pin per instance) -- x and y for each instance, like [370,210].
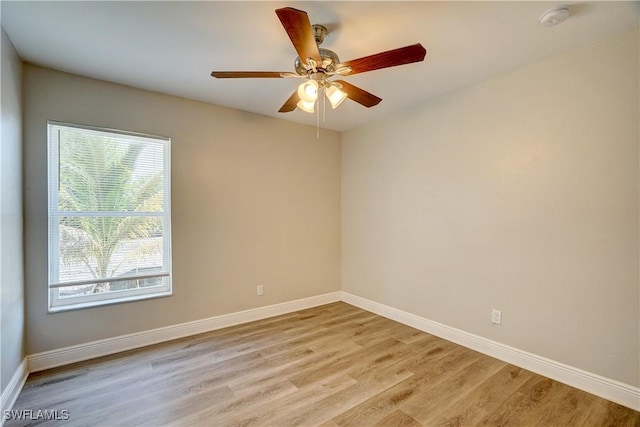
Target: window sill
[118,300]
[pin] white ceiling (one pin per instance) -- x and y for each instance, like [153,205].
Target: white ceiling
[172,47]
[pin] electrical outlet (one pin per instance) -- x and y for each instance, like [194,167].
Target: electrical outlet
[496,317]
[259,290]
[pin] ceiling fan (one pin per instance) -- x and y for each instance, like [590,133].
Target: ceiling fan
[318,65]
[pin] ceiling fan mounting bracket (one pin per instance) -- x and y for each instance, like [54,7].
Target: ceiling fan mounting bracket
[319,33]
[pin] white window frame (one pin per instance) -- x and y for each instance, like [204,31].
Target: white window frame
[114,297]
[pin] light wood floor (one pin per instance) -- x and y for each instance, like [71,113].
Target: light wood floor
[334,365]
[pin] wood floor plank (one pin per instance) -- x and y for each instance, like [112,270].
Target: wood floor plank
[423,404]
[347,362]
[336,403]
[274,412]
[608,414]
[384,403]
[525,403]
[398,419]
[246,383]
[472,408]
[334,365]
[567,409]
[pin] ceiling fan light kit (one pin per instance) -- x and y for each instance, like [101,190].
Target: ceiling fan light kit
[309,89]
[318,65]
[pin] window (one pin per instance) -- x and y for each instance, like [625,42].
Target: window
[109,216]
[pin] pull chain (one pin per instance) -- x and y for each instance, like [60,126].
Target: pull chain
[324,105]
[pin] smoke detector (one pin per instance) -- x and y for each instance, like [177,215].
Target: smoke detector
[554,16]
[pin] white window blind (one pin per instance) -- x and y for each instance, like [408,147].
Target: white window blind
[109,216]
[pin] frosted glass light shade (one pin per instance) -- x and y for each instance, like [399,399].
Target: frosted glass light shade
[335,96]
[306,106]
[308,91]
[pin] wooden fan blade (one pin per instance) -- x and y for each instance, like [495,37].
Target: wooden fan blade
[296,24]
[358,95]
[290,104]
[246,74]
[390,58]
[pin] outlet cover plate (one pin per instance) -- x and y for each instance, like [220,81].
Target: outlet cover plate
[496,317]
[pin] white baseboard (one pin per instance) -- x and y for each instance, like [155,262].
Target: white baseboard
[10,394]
[606,388]
[90,350]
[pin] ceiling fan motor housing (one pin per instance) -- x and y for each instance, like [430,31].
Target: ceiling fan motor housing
[328,64]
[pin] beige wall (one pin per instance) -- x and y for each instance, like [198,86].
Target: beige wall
[519,193]
[255,200]
[11,271]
